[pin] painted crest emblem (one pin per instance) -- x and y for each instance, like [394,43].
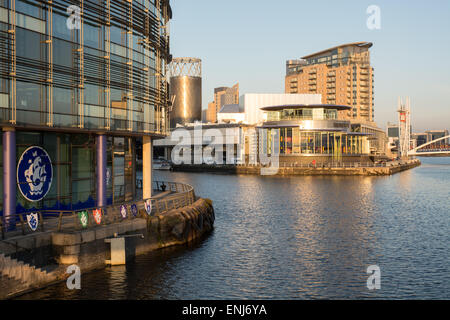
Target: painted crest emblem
[123,211]
[148,206]
[134,210]
[33,221]
[34,173]
[97,213]
[84,218]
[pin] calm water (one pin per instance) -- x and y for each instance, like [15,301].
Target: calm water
[299,238]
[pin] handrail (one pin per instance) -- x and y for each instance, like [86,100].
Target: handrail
[179,195]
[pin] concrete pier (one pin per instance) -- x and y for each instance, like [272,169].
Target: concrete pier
[88,249]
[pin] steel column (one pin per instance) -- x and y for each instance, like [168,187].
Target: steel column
[9,177]
[147,156]
[101,170]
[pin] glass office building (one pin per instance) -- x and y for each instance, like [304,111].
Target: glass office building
[83,92]
[305,133]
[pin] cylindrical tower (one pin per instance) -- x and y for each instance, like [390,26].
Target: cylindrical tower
[185,90]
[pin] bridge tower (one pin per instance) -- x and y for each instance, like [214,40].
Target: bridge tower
[404,127]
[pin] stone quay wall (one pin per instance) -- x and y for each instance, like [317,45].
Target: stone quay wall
[88,250]
[307,171]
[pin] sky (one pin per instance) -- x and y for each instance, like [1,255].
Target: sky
[249,41]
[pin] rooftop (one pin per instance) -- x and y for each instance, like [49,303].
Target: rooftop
[303,106]
[362,44]
[230,108]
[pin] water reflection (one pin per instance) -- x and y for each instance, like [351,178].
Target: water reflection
[296,238]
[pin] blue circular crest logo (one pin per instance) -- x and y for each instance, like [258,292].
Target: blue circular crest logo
[34,173]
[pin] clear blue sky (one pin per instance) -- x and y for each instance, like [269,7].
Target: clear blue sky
[249,41]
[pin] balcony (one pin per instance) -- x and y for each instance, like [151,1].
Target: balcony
[331,80]
[364,72]
[331,85]
[364,84]
[312,77]
[312,82]
[312,88]
[312,71]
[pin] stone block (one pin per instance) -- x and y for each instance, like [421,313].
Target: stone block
[101,233]
[71,250]
[26,243]
[87,236]
[66,239]
[68,259]
[43,240]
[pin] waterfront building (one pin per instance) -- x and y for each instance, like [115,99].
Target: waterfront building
[418,139]
[251,104]
[305,134]
[80,106]
[211,115]
[222,96]
[185,90]
[211,143]
[378,140]
[436,134]
[242,118]
[342,75]
[231,113]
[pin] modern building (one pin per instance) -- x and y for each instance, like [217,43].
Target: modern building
[436,134]
[243,117]
[378,140]
[211,115]
[418,139]
[218,143]
[304,134]
[393,137]
[222,96]
[252,103]
[185,91]
[342,75]
[80,103]
[392,130]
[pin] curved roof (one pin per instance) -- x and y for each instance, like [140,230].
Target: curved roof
[230,108]
[357,44]
[302,106]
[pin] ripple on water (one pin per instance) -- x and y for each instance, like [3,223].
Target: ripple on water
[298,238]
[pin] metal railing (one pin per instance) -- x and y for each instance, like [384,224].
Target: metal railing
[172,195]
[184,195]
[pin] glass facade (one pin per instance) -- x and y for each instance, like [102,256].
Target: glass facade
[107,74]
[294,141]
[74,170]
[63,84]
[302,114]
[303,131]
